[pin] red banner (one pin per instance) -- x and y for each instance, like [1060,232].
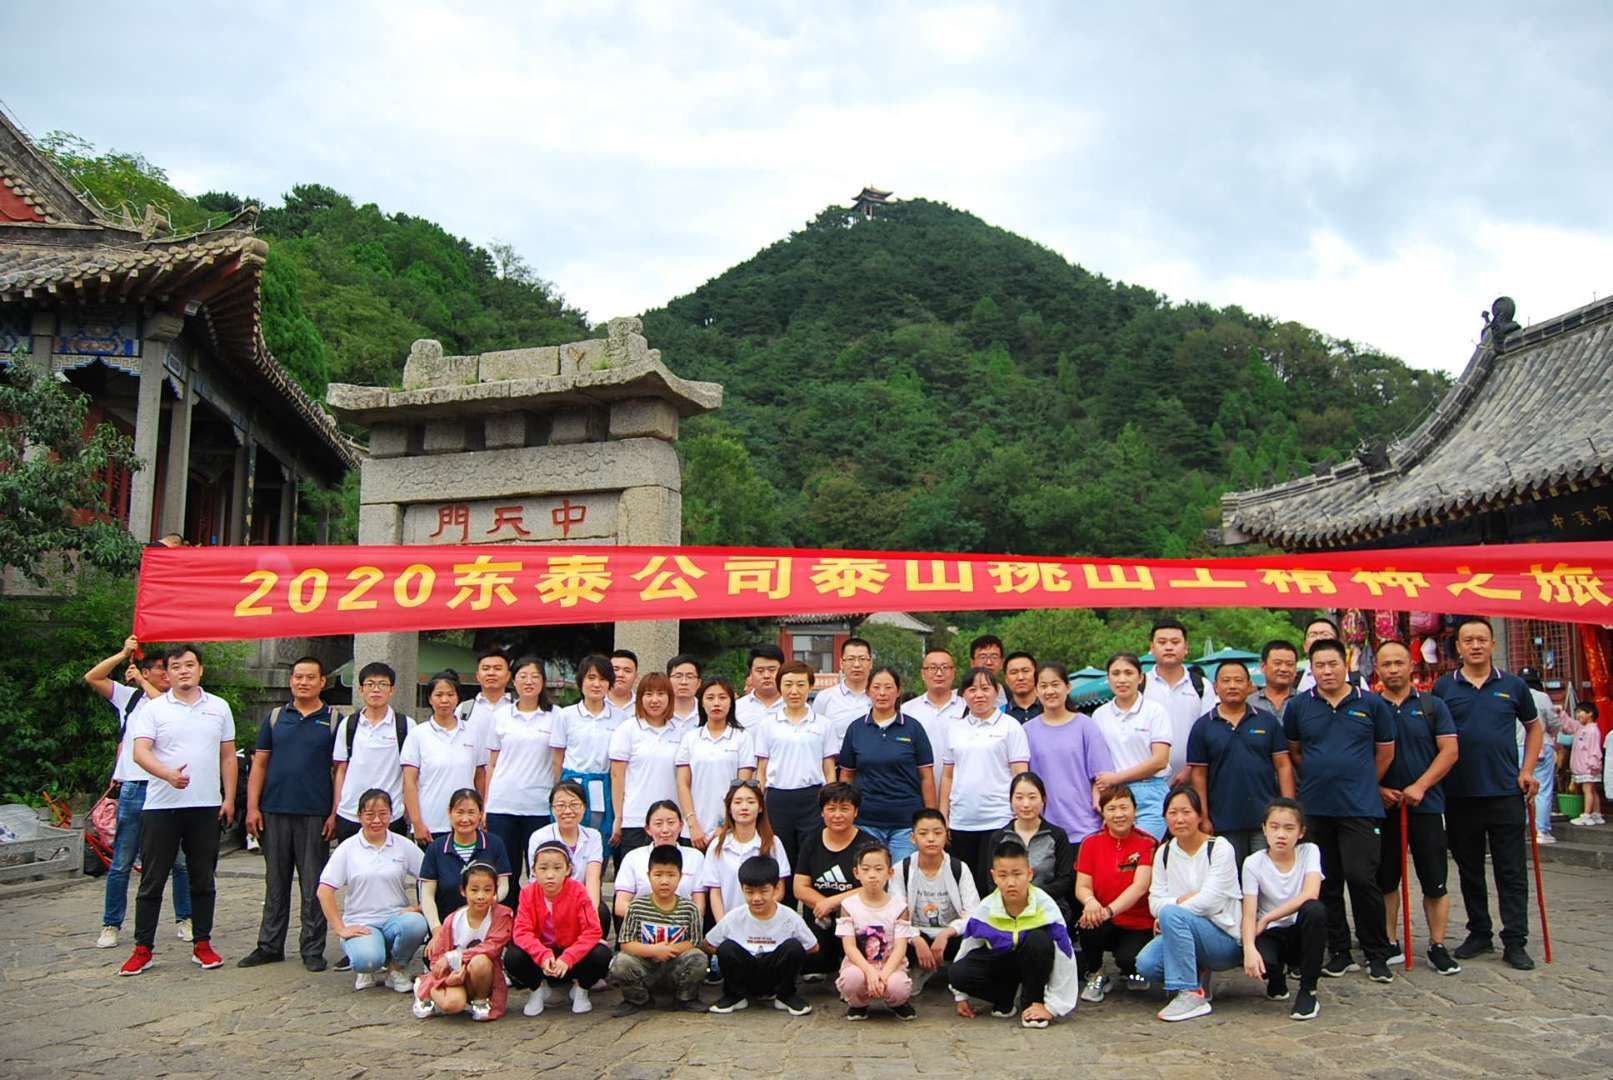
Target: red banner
[223,593]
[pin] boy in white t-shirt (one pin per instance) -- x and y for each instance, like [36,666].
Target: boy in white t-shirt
[1284,921]
[874,931]
[939,893]
[761,946]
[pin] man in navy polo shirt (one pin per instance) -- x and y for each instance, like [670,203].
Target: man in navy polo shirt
[1240,762]
[291,807]
[1343,741]
[1485,791]
[1425,750]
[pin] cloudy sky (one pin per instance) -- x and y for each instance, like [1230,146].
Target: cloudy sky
[1380,171]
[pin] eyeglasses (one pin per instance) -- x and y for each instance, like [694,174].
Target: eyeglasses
[375,815]
[936,669]
[375,685]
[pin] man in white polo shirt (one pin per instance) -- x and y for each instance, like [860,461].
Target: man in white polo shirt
[492,701]
[185,740]
[940,706]
[847,700]
[1184,695]
[763,700]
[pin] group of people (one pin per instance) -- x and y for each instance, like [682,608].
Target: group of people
[981,830]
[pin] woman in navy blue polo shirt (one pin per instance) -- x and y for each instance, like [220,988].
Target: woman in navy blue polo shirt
[887,756]
[447,856]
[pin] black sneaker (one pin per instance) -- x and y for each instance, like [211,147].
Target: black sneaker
[904,1011]
[1339,965]
[857,1012]
[792,1004]
[313,963]
[1518,957]
[344,964]
[1305,1006]
[1397,955]
[1441,961]
[258,957]
[1474,946]
[728,1004]
[692,1005]
[1379,972]
[1277,989]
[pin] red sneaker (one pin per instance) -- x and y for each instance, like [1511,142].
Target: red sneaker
[138,961]
[204,955]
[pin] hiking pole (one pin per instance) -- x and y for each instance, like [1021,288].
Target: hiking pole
[1405,887]
[1540,890]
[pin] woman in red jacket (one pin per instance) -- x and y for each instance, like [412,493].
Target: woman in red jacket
[464,972]
[557,934]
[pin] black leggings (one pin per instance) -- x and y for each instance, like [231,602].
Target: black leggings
[524,972]
[162,834]
[1301,943]
[1123,942]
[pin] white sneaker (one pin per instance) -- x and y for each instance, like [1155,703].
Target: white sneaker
[364,980]
[1186,1005]
[534,1004]
[424,1010]
[579,1000]
[1598,819]
[552,995]
[397,980]
[1583,819]
[108,938]
[182,930]
[1545,838]
[481,1010]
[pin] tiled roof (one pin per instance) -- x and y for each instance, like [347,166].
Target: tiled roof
[1529,417]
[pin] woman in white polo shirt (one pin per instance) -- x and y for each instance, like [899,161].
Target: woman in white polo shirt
[379,923]
[711,756]
[439,757]
[520,766]
[1138,732]
[643,769]
[795,752]
[580,740]
[985,750]
[664,823]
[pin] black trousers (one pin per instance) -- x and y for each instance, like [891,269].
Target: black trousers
[1245,842]
[1299,944]
[1498,822]
[1351,847]
[524,972]
[999,976]
[772,973]
[1426,833]
[163,833]
[831,950]
[515,830]
[1123,942]
[971,848]
[793,813]
[632,840]
[293,842]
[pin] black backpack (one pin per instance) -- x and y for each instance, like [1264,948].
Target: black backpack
[398,718]
[1165,859]
[912,863]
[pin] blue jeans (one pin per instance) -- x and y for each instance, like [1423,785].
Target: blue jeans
[1149,798]
[1186,945]
[1546,773]
[391,943]
[125,847]
[899,840]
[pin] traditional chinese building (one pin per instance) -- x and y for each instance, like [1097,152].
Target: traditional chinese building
[164,335]
[816,639]
[868,200]
[1519,451]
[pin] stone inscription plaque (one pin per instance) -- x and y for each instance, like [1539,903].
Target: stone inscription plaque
[589,517]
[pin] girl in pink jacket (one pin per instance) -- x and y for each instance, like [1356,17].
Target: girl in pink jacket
[1585,760]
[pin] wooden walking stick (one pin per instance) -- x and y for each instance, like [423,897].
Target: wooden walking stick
[1540,889]
[1405,888]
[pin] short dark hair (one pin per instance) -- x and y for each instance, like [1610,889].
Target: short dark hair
[852,641]
[1188,792]
[665,855]
[839,792]
[180,650]
[492,654]
[1480,620]
[1020,655]
[599,664]
[928,813]
[1328,644]
[1277,645]
[1234,663]
[1588,707]
[985,641]
[572,788]
[681,659]
[151,658]
[797,667]
[1119,791]
[661,804]
[1334,623]
[871,847]
[314,660]
[625,654]
[759,871]
[943,650]
[1167,624]
[1010,847]
[763,652]
[376,669]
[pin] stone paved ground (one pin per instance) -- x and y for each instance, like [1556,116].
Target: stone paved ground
[64,1014]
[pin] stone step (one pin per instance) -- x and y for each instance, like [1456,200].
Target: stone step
[1568,853]
[1598,835]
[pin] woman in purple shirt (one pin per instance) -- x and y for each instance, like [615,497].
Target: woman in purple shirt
[1067,752]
